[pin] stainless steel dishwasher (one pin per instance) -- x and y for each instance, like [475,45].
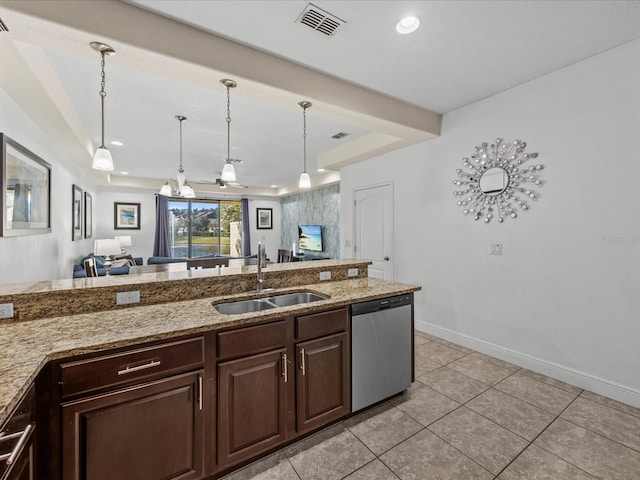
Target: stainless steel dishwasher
[381,349]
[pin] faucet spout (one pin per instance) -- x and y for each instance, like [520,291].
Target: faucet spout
[262,263]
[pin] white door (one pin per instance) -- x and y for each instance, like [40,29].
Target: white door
[373,229]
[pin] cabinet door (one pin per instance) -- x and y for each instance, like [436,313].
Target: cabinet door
[322,381]
[152,431]
[252,406]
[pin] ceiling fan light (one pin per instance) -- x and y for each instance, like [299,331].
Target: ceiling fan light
[187,191]
[166,189]
[305,181]
[228,173]
[102,159]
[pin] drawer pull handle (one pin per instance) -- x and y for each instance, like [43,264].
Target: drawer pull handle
[24,436]
[284,363]
[302,365]
[151,364]
[201,389]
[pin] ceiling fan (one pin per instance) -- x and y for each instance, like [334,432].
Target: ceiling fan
[223,184]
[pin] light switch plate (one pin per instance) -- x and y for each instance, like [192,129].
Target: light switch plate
[495,249]
[6,310]
[127,298]
[325,275]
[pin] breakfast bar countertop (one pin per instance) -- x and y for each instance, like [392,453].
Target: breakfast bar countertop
[25,347]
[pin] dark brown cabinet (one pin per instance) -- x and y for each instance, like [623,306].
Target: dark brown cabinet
[280,380]
[151,431]
[322,381]
[252,406]
[136,413]
[16,441]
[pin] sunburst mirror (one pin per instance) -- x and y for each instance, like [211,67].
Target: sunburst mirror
[495,183]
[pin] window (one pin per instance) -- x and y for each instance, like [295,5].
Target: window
[202,228]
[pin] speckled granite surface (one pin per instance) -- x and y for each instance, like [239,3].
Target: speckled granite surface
[25,347]
[39,300]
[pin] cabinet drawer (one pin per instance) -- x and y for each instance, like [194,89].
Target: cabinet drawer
[16,439]
[320,324]
[131,366]
[250,340]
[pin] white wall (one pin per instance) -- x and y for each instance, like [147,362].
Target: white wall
[48,256]
[564,297]
[271,238]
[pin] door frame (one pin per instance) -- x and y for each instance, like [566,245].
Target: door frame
[384,183]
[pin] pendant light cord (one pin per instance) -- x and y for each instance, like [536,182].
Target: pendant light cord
[304,136]
[228,124]
[102,95]
[181,170]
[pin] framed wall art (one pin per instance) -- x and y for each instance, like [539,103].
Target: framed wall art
[88,215]
[76,213]
[264,216]
[126,216]
[25,203]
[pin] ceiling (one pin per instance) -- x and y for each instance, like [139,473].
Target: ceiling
[386,90]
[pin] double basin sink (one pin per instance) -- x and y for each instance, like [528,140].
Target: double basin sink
[265,303]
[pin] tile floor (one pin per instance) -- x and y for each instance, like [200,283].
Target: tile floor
[469,416]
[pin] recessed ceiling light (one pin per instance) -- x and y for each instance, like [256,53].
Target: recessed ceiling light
[117,143]
[322,170]
[408,25]
[274,186]
[124,173]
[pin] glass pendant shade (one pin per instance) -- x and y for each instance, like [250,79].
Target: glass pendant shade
[102,159]
[187,191]
[305,181]
[228,173]
[166,189]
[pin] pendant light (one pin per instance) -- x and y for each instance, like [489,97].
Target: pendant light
[184,189]
[305,181]
[228,172]
[102,159]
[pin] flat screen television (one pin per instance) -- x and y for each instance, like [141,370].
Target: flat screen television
[310,237]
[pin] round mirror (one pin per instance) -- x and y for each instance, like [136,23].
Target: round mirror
[494,181]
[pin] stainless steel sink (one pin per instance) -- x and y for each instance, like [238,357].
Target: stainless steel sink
[288,299]
[274,301]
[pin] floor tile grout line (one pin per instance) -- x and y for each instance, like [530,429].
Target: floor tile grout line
[538,436]
[610,406]
[598,433]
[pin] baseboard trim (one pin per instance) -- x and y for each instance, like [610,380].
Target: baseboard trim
[583,380]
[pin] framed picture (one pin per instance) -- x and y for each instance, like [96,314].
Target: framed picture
[264,216]
[88,215]
[76,212]
[25,200]
[126,216]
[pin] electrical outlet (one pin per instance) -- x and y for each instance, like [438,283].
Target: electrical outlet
[127,298]
[325,275]
[6,310]
[352,272]
[495,249]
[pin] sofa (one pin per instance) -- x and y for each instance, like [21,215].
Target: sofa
[78,269]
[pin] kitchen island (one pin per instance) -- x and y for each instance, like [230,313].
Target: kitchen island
[27,347]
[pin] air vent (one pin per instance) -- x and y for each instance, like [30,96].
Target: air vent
[320,20]
[340,135]
[3,26]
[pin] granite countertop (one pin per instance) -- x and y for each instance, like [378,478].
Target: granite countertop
[25,347]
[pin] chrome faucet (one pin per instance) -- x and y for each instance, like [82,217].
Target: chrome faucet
[262,263]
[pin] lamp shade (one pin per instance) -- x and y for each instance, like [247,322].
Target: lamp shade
[107,247]
[102,159]
[187,191]
[166,189]
[228,173]
[125,240]
[305,181]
